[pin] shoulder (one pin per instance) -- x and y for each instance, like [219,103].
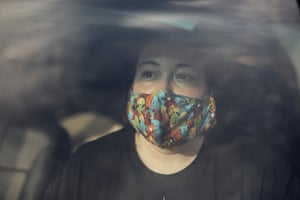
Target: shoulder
[107,144]
[254,153]
[89,166]
[253,158]
[255,165]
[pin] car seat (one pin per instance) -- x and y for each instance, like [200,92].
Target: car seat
[29,155]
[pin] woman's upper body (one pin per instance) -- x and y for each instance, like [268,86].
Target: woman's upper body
[111,168]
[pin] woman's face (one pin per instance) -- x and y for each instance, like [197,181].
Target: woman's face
[169,67]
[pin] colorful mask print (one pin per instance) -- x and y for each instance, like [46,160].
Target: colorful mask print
[165,118]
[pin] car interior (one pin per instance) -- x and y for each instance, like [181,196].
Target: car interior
[66,67]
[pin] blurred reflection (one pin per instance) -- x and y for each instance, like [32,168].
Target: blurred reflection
[60,59]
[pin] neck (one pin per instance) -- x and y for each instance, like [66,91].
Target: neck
[169,160]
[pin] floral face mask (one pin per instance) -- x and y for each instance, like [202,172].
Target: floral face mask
[165,118]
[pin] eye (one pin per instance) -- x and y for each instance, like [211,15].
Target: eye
[184,77]
[148,75]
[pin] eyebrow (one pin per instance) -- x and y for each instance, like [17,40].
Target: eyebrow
[148,62]
[154,63]
[180,65]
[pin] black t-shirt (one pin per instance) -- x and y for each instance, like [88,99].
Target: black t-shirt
[109,168]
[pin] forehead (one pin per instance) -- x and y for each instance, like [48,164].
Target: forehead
[180,50]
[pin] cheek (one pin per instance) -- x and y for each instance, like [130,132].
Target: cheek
[195,90]
[190,92]
[147,87]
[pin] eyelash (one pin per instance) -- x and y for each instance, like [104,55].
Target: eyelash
[149,75]
[179,77]
[183,76]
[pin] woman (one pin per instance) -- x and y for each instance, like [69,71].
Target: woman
[168,153]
